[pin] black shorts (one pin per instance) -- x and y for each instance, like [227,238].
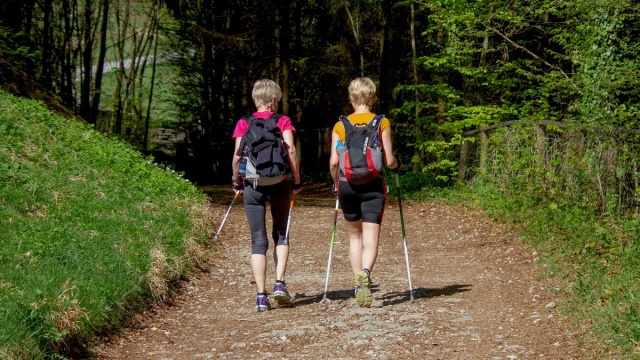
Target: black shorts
[363,202]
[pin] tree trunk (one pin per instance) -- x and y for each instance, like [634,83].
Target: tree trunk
[47,43]
[356,35]
[285,40]
[68,52]
[386,73]
[122,23]
[87,74]
[413,58]
[97,87]
[145,139]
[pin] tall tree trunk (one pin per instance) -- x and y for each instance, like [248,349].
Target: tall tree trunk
[285,41]
[386,74]
[205,68]
[355,28]
[47,43]
[438,80]
[416,115]
[97,87]
[87,55]
[122,23]
[145,139]
[144,47]
[413,58]
[67,54]
[29,8]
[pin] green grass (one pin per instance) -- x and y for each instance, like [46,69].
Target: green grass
[91,230]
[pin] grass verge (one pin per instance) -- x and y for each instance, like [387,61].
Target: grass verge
[91,231]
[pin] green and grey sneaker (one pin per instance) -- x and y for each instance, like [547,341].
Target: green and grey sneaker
[363,289]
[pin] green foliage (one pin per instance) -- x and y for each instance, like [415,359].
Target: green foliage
[487,62]
[575,201]
[83,219]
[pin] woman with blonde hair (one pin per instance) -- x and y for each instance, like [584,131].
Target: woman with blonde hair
[362,205]
[276,190]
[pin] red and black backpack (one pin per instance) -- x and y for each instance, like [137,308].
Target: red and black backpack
[360,164]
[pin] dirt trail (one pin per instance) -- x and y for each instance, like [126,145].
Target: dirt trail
[475,289]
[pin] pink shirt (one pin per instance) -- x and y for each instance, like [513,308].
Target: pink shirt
[284,123]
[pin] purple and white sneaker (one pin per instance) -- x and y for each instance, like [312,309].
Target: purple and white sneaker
[262,303]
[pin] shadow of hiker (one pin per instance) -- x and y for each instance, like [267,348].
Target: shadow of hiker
[394,298]
[302,299]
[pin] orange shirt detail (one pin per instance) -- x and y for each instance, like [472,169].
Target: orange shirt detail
[363,119]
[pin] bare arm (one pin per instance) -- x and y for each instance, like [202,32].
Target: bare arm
[387,149]
[293,156]
[235,162]
[334,160]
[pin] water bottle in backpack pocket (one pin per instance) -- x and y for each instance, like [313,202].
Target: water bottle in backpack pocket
[242,168]
[376,153]
[341,149]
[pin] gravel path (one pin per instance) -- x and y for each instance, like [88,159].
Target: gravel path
[475,289]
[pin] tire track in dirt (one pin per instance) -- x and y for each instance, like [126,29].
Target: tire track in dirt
[475,289]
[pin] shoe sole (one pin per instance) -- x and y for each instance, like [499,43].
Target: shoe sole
[363,297]
[281,298]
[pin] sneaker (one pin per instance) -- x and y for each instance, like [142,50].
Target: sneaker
[281,295]
[363,290]
[262,303]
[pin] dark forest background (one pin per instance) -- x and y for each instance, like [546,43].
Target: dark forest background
[442,68]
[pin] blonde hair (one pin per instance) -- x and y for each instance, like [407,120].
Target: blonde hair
[264,91]
[362,91]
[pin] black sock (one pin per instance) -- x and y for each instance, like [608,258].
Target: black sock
[279,281]
[263,293]
[367,271]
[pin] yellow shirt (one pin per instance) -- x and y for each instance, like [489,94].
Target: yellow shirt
[359,119]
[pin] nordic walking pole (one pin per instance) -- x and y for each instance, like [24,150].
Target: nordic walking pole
[404,236]
[333,236]
[286,234]
[225,216]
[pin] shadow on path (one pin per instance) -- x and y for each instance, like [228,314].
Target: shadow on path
[394,298]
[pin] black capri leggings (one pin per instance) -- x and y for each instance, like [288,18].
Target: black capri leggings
[363,202]
[255,205]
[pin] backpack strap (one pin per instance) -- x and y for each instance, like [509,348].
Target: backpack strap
[249,119]
[374,124]
[347,125]
[272,121]
[274,117]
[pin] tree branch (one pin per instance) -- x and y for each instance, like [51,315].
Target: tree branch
[532,54]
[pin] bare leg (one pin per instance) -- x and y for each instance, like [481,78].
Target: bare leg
[370,237]
[354,229]
[280,257]
[259,267]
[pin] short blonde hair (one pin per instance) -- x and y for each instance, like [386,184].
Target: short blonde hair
[264,91]
[362,91]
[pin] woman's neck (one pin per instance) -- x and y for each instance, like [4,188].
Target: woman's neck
[361,109]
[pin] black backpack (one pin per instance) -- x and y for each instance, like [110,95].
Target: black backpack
[360,164]
[262,148]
